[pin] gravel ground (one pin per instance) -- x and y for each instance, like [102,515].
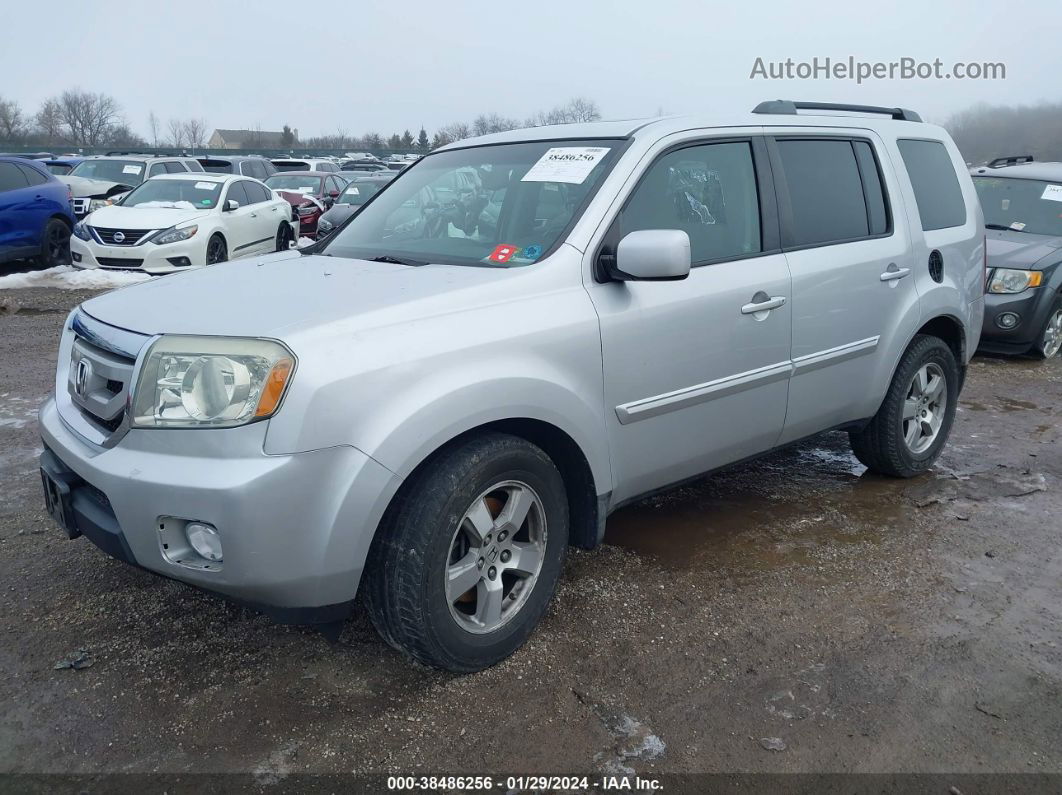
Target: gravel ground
[792,614]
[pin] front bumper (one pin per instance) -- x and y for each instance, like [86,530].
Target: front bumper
[1032,307]
[146,257]
[295,528]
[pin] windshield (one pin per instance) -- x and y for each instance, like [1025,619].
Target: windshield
[1024,205]
[296,183]
[359,192]
[127,172]
[178,194]
[500,206]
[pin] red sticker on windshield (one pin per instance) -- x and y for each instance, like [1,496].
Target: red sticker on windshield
[503,253]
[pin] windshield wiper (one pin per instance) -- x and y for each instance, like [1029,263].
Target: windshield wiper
[1004,228]
[415,263]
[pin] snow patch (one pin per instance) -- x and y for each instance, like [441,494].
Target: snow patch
[65,277]
[306,241]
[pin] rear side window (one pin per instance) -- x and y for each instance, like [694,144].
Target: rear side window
[33,176]
[11,178]
[194,165]
[174,167]
[825,192]
[936,188]
[708,191]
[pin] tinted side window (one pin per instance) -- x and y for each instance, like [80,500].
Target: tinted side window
[157,168]
[237,193]
[825,192]
[936,188]
[33,176]
[257,193]
[708,191]
[251,168]
[11,178]
[877,207]
[194,165]
[173,167]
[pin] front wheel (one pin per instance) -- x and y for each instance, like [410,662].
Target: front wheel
[284,237]
[910,429]
[464,566]
[1049,343]
[217,251]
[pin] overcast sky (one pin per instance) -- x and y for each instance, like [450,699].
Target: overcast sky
[364,66]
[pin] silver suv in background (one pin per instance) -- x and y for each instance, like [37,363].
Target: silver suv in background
[515,337]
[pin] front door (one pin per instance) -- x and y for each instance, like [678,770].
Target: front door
[695,371]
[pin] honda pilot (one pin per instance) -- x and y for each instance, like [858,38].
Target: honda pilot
[515,337]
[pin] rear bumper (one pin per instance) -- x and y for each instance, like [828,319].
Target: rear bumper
[1032,308]
[294,528]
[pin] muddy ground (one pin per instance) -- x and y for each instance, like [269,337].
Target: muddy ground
[795,603]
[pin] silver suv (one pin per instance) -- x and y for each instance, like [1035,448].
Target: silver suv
[518,335]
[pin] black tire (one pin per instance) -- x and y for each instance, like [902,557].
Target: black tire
[403,585]
[55,244]
[284,237]
[217,250]
[880,446]
[1042,344]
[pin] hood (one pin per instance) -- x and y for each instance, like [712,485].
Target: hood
[1020,250]
[295,198]
[279,295]
[338,213]
[116,217]
[93,188]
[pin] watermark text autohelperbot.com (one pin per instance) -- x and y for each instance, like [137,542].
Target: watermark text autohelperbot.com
[851,68]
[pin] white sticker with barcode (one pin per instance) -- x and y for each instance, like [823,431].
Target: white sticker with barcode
[1053,193]
[132,169]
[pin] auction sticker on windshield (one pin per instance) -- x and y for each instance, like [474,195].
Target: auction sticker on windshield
[1052,193]
[131,169]
[206,185]
[566,164]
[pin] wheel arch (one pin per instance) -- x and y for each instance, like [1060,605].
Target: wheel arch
[949,329]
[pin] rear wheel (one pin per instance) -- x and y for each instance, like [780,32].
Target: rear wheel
[470,555]
[217,251]
[1049,343]
[284,237]
[55,244]
[910,429]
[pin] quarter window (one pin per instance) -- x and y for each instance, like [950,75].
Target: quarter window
[707,191]
[825,192]
[176,167]
[877,206]
[11,178]
[936,188]
[33,176]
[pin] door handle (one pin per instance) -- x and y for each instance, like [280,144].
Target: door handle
[254,215]
[893,273]
[765,305]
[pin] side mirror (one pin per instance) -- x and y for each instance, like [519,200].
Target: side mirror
[658,255]
[334,194]
[231,205]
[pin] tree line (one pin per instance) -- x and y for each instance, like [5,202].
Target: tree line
[985,132]
[84,118]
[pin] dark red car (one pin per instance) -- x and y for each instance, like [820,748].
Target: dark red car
[310,194]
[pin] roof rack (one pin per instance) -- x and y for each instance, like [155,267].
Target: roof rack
[790,108]
[1012,160]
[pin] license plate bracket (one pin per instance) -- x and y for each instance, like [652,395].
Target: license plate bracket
[57,491]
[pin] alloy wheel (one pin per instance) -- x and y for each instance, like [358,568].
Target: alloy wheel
[496,556]
[1052,343]
[924,407]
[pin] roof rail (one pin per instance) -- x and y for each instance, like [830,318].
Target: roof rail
[1012,160]
[789,108]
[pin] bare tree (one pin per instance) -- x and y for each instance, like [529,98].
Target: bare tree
[195,133]
[88,117]
[176,130]
[153,126]
[49,122]
[12,122]
[575,110]
[984,132]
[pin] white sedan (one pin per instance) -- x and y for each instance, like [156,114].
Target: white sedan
[178,221]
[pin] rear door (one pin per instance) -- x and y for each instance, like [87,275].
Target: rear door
[694,376]
[265,216]
[853,295]
[17,230]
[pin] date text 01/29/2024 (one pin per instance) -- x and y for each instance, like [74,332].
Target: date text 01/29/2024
[522,783]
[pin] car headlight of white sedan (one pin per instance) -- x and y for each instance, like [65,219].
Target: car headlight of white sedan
[174,235]
[217,382]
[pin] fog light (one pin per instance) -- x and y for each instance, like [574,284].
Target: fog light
[75,256]
[179,262]
[1007,320]
[204,540]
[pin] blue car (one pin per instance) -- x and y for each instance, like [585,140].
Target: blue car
[36,216]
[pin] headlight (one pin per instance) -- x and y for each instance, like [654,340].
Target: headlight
[217,382]
[81,232]
[1005,280]
[95,204]
[324,225]
[174,235]
[306,209]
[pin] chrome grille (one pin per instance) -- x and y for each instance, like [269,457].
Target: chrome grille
[119,237]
